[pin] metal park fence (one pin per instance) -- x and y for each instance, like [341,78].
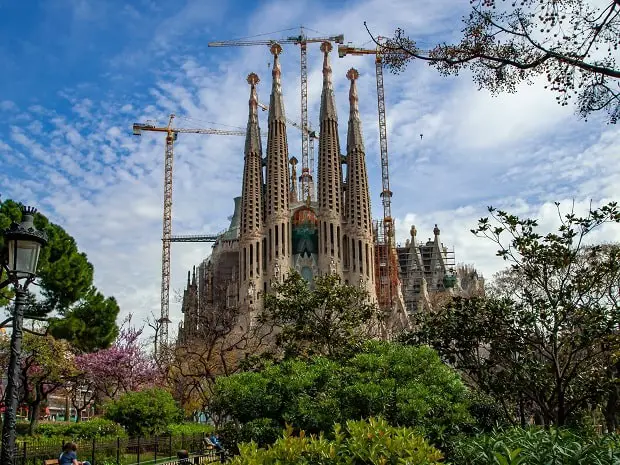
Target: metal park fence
[120,451]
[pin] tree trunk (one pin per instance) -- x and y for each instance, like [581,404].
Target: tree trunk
[67,409]
[610,410]
[561,414]
[521,410]
[35,410]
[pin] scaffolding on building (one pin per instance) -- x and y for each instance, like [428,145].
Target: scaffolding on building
[386,267]
[425,261]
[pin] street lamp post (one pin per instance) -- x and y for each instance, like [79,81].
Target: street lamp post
[23,243]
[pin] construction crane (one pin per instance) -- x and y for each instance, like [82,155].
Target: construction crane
[167,237]
[386,253]
[312,135]
[302,40]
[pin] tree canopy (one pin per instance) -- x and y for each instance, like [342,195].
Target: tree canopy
[545,340]
[327,318]
[75,309]
[64,273]
[90,324]
[146,412]
[408,386]
[573,44]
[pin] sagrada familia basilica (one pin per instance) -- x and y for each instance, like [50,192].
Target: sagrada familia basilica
[273,229]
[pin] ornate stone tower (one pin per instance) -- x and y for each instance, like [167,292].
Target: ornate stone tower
[251,238]
[330,193]
[358,247]
[189,306]
[277,214]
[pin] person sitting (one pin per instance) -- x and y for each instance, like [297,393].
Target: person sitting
[69,455]
[215,440]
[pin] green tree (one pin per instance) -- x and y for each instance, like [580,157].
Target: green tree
[90,324]
[74,308]
[146,412]
[65,274]
[574,44]
[549,337]
[372,441]
[328,318]
[46,365]
[408,386]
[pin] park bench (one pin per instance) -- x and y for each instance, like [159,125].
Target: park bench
[50,462]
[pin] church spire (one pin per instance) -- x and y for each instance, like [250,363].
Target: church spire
[277,220]
[330,190]
[360,260]
[251,203]
[357,208]
[328,105]
[330,168]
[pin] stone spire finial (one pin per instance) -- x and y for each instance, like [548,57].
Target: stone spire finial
[326,47]
[328,106]
[413,231]
[188,278]
[436,231]
[194,277]
[276,107]
[355,137]
[352,76]
[253,140]
[276,71]
[293,162]
[253,79]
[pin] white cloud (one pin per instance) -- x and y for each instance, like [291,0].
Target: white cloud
[520,152]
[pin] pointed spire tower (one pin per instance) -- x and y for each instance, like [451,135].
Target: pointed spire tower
[330,192]
[277,220]
[359,240]
[251,233]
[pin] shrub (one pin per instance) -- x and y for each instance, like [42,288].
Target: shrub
[407,386]
[486,411]
[263,432]
[230,437]
[537,446]
[189,428]
[95,428]
[145,412]
[372,441]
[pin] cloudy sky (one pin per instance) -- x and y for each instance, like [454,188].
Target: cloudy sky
[77,73]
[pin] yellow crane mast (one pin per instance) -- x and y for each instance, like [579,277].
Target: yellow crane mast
[167,237]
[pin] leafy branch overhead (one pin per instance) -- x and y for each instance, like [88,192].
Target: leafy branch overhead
[573,44]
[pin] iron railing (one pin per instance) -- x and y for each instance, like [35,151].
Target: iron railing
[120,451]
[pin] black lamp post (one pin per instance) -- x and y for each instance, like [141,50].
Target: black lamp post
[23,243]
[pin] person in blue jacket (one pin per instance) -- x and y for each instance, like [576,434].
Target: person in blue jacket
[69,455]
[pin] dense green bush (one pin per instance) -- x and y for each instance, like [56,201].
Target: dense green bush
[263,431]
[487,413]
[145,412]
[408,386]
[372,441]
[189,428]
[536,446]
[95,428]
